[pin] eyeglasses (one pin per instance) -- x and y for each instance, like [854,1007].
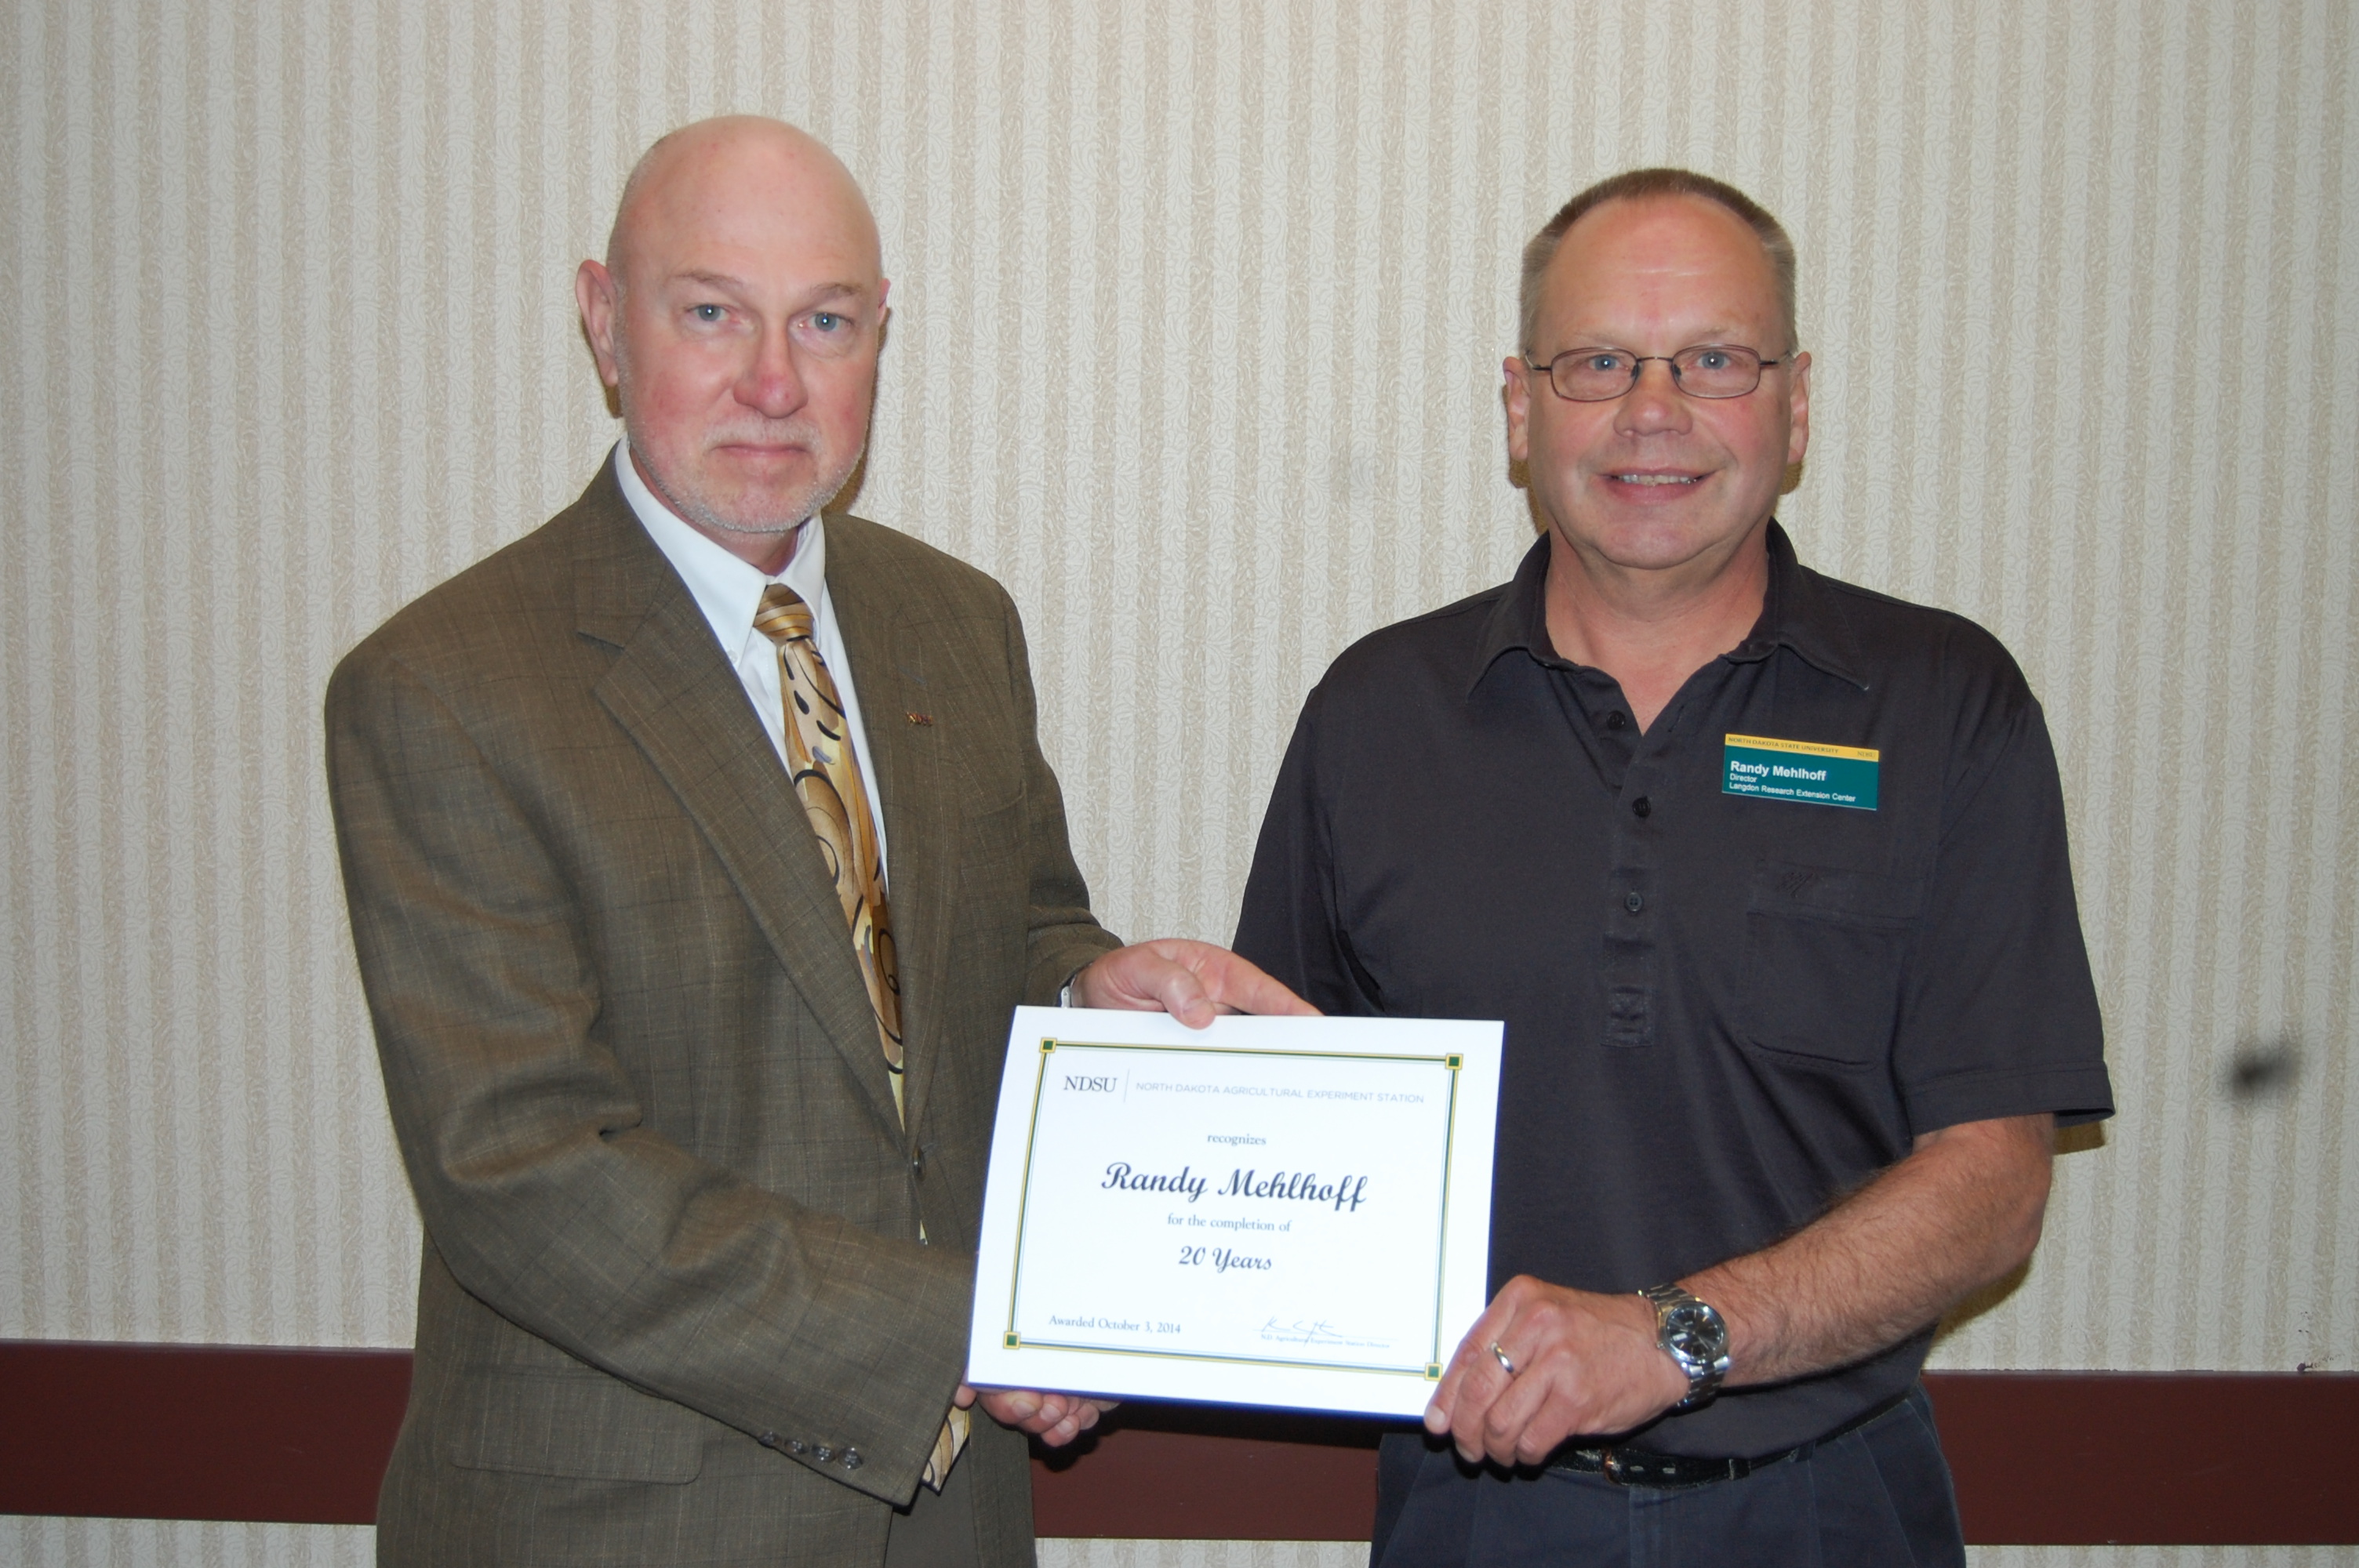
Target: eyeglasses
[1706,370]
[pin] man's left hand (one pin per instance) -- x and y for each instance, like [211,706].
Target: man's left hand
[1195,982]
[1055,1419]
[1584,1363]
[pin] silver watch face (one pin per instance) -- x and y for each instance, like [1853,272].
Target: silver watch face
[1694,1333]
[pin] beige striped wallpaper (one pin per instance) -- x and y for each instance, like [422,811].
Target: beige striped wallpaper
[1198,314]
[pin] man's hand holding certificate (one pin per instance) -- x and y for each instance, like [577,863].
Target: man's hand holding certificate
[1282,1211]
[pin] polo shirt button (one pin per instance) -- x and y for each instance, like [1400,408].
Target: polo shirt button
[1615,721]
[1634,903]
[1643,807]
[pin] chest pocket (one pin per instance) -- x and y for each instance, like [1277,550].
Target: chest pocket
[1823,953]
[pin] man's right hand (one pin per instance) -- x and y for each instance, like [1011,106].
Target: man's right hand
[1055,1419]
[1195,982]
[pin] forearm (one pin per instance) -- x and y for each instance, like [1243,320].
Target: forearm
[1963,1208]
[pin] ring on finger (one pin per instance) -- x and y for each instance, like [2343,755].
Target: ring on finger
[1505,1364]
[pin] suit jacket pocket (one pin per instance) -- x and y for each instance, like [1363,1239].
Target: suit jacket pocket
[1823,953]
[580,1425]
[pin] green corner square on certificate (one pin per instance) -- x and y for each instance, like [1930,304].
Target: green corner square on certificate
[1432,1370]
[1047,1046]
[1012,1340]
[1454,1063]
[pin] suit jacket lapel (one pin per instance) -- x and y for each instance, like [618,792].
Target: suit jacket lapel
[888,672]
[674,692]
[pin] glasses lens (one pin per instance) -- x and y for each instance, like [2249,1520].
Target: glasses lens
[1717,370]
[1592,375]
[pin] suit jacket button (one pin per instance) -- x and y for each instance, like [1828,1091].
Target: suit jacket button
[822,1454]
[851,1459]
[796,1446]
[768,1440]
[918,1165]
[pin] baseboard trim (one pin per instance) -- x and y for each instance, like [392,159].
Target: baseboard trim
[2041,1458]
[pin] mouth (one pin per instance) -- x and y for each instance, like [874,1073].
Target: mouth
[763,454]
[1654,480]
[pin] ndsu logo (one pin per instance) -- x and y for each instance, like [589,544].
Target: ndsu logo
[1080,1084]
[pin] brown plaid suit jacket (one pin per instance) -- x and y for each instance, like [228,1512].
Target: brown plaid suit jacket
[673,1307]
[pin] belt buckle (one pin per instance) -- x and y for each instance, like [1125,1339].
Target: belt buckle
[1609,1462]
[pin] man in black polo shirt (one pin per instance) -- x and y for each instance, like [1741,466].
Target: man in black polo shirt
[1767,876]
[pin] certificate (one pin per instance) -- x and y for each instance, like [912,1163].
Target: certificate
[1271,1211]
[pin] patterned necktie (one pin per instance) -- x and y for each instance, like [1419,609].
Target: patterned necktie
[826,781]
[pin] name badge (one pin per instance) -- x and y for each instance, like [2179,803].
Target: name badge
[1799,770]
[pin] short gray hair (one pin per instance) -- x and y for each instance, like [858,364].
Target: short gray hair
[1638,184]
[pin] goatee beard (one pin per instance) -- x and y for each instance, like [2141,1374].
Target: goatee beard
[699,513]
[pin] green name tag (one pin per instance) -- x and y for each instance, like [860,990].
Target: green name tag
[1799,770]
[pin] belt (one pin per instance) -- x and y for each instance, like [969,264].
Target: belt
[1628,1466]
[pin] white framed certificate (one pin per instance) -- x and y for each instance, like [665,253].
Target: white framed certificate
[1271,1211]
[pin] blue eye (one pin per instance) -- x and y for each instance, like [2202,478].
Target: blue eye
[827,321]
[1604,363]
[707,313]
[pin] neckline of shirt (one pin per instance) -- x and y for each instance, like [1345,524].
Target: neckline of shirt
[727,588]
[1795,613]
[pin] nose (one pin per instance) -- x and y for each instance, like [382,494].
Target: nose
[1654,403]
[772,384]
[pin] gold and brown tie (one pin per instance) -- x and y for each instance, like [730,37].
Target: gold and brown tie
[827,780]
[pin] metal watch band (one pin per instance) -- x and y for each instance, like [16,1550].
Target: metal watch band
[1692,1333]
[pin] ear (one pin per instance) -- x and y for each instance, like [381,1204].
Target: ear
[1519,408]
[1797,404]
[594,290]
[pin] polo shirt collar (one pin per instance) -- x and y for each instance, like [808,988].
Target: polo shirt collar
[1802,614]
[1797,613]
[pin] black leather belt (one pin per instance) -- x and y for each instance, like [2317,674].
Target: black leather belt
[1630,1466]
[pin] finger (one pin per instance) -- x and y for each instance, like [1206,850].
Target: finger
[1238,985]
[1439,1410]
[1556,1415]
[1508,1417]
[1145,977]
[965,1398]
[1473,1352]
[1484,1383]
[1075,1414]
[1181,993]
[1011,1407]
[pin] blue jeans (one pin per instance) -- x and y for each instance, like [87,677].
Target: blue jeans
[1876,1497]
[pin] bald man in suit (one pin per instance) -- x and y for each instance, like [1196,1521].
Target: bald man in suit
[696,1115]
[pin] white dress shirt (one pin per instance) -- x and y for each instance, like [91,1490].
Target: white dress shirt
[729,590]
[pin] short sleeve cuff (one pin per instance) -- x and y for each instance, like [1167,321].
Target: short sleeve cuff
[2075,1095]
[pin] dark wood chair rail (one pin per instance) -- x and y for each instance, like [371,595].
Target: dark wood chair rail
[2044,1459]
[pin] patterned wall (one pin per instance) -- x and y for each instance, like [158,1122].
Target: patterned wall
[1199,310]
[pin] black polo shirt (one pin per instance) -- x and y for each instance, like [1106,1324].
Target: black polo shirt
[1723,1010]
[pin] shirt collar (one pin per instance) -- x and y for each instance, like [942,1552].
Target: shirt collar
[1798,612]
[726,589]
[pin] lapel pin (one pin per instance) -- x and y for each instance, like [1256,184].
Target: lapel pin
[924,719]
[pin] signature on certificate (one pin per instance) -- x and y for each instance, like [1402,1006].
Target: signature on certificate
[1317,1331]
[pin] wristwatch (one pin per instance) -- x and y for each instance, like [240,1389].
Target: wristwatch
[1695,1337]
